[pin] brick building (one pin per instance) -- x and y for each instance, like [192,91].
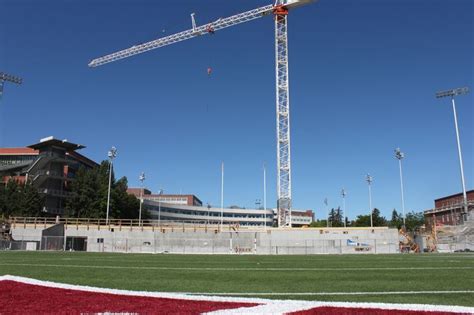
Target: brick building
[449,210]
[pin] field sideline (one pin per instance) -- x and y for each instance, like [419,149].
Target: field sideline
[446,279]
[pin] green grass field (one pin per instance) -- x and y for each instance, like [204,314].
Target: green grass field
[388,277]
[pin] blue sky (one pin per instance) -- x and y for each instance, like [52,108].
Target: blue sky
[363,75]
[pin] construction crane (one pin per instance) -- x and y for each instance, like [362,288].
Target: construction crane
[280,11]
[4,77]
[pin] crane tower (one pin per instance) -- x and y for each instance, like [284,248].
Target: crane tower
[280,11]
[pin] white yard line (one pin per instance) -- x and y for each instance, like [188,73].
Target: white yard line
[266,307]
[330,293]
[240,269]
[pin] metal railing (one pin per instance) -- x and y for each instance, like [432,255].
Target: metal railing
[119,224]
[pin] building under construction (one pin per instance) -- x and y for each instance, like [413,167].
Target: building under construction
[449,210]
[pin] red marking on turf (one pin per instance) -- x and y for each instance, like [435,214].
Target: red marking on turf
[363,311]
[21,298]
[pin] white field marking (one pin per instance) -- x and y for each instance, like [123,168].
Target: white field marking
[240,269]
[266,306]
[329,293]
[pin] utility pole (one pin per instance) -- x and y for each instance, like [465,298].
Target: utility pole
[142,179]
[399,155]
[112,154]
[452,94]
[369,180]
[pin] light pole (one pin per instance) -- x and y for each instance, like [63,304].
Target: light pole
[452,93]
[369,180]
[160,192]
[142,179]
[399,155]
[208,210]
[327,211]
[222,194]
[265,194]
[112,154]
[343,194]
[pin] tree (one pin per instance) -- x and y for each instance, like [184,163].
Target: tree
[20,199]
[414,220]
[89,195]
[32,201]
[397,220]
[335,217]
[362,220]
[319,223]
[378,219]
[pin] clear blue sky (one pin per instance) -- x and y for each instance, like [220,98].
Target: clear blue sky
[363,77]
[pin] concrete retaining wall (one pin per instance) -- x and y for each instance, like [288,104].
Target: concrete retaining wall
[272,241]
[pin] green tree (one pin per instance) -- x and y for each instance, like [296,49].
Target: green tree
[335,217]
[319,223]
[89,195]
[20,199]
[396,221]
[414,220]
[31,204]
[378,219]
[362,220]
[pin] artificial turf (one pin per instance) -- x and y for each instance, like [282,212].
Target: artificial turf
[290,275]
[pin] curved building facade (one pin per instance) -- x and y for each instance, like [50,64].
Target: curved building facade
[189,213]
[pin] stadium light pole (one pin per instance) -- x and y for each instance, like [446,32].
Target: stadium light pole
[142,179]
[265,195]
[343,194]
[327,211]
[369,180]
[160,192]
[222,194]
[452,94]
[399,155]
[112,154]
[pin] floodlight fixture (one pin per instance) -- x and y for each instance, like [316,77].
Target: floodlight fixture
[112,154]
[10,78]
[399,154]
[369,179]
[453,92]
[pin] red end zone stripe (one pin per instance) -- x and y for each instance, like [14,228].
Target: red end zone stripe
[363,311]
[21,298]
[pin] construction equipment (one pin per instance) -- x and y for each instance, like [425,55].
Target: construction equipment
[280,11]
[4,77]
[407,244]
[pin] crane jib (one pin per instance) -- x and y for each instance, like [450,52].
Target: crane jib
[184,35]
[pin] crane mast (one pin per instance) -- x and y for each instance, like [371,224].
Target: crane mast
[280,11]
